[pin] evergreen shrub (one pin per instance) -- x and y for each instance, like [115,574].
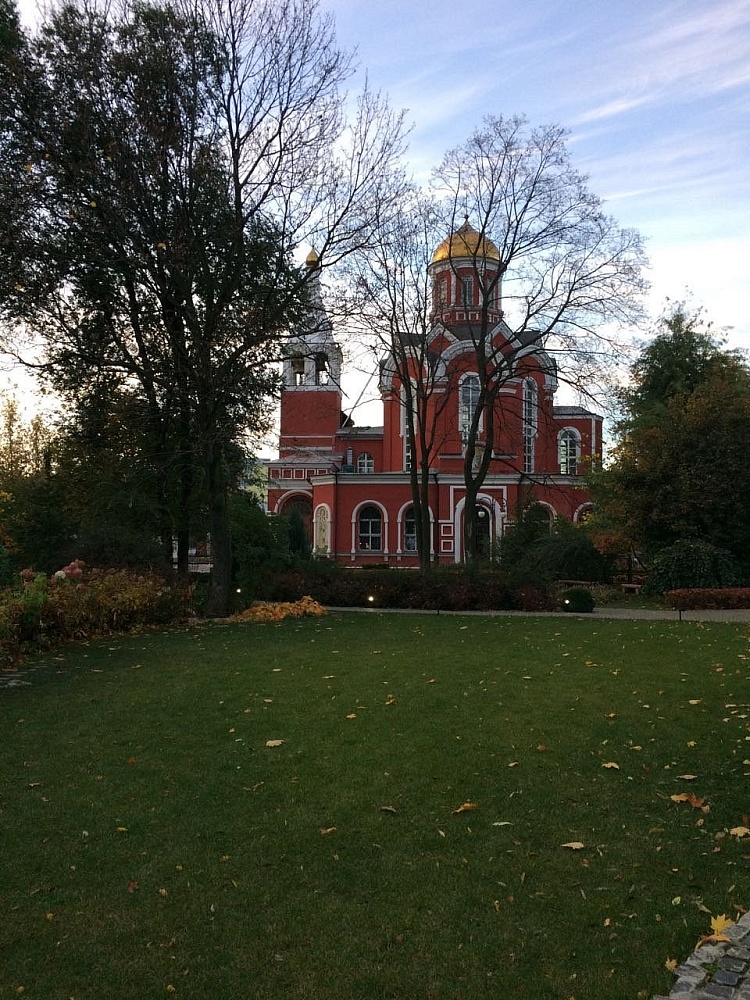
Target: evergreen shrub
[690,564]
[578,600]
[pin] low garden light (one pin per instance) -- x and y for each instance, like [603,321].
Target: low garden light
[370,598]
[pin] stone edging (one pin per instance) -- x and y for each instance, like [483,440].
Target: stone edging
[717,971]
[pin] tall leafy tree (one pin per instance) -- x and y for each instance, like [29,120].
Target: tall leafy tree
[182,156]
[679,470]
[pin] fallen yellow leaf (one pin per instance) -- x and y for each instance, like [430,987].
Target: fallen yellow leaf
[274,743]
[719,924]
[670,964]
[465,807]
[740,831]
[352,715]
[574,845]
[325,830]
[611,765]
[687,777]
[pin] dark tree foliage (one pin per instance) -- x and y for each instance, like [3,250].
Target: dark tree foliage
[680,469]
[177,155]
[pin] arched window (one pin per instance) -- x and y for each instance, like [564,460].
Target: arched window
[410,531]
[365,462]
[529,423]
[569,452]
[468,402]
[370,530]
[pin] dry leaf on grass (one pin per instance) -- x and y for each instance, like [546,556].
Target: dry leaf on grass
[325,830]
[465,807]
[695,801]
[671,964]
[574,845]
[274,743]
[717,936]
[611,765]
[388,809]
[740,831]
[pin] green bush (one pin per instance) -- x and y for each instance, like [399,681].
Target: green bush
[690,564]
[260,545]
[578,600]
[562,551]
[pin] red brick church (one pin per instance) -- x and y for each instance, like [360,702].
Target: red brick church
[352,485]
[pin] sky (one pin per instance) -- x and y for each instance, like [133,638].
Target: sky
[655,95]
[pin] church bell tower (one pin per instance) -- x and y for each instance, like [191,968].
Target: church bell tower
[311,377]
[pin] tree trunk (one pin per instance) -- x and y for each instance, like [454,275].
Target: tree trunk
[470,527]
[220,593]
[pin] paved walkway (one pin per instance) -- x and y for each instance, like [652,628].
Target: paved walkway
[632,614]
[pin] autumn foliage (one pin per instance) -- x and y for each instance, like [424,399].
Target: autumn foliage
[80,603]
[277,611]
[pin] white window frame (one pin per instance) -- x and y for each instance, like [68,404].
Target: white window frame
[529,415]
[365,462]
[569,451]
[411,535]
[370,534]
[466,408]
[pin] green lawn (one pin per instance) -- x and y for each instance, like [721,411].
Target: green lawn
[153,845]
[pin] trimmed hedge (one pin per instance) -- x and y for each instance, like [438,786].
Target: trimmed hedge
[391,588]
[717,599]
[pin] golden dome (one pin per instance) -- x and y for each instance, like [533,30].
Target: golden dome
[465,242]
[312,260]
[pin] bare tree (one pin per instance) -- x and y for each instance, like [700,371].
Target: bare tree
[393,306]
[566,273]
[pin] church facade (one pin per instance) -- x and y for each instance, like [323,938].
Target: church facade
[352,485]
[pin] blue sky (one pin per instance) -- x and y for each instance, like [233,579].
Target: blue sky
[656,96]
[655,93]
